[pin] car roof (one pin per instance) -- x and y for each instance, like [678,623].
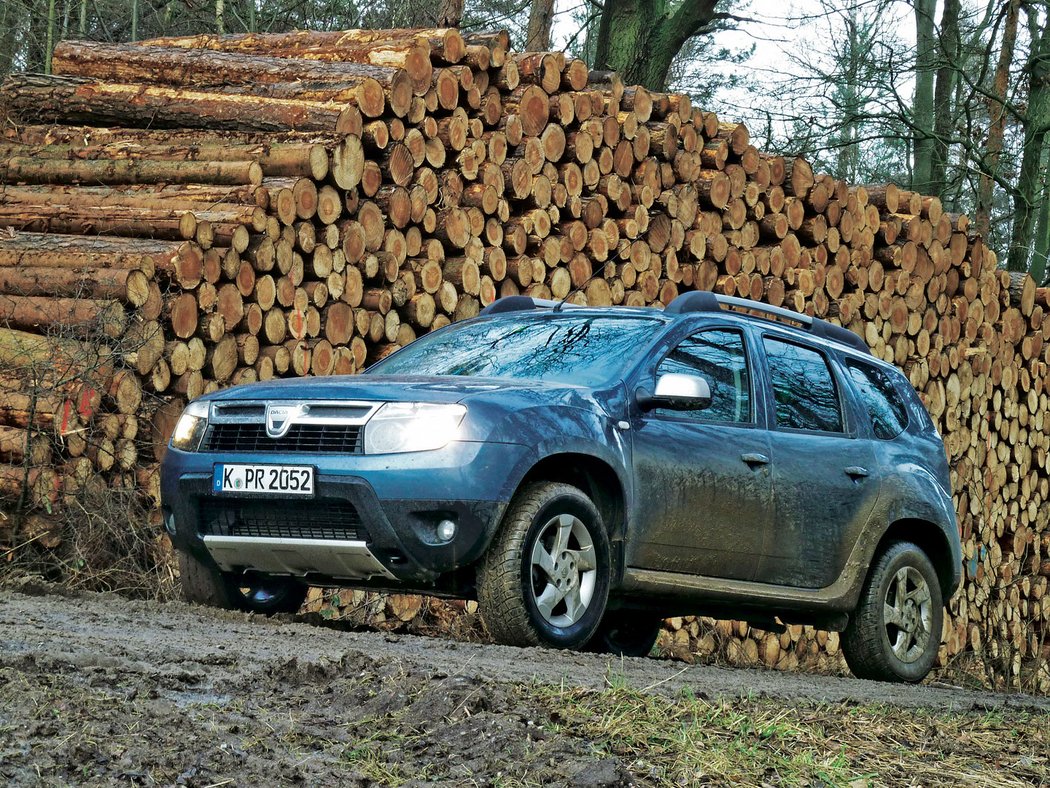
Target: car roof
[803,327]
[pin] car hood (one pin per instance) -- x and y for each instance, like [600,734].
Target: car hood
[394,388]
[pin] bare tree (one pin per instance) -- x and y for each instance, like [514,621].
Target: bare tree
[948,55]
[1031,179]
[997,112]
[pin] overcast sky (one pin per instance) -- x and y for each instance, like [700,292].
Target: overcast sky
[778,29]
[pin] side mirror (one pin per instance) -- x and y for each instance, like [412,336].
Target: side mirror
[676,392]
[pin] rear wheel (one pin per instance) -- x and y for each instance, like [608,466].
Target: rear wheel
[204,584]
[545,579]
[626,633]
[895,631]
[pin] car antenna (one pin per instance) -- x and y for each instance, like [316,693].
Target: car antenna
[560,304]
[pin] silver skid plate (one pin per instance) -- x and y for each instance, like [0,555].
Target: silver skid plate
[345,560]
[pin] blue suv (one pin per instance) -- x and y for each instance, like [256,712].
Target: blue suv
[584,473]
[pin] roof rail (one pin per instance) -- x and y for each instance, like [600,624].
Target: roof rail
[703,301]
[520,303]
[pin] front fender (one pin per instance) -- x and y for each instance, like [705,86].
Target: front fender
[548,432]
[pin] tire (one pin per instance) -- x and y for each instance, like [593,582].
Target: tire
[204,584]
[626,633]
[895,632]
[533,587]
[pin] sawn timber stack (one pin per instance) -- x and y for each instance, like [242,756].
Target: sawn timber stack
[184,214]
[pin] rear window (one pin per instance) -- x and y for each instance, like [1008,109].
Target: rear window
[804,390]
[585,350]
[881,399]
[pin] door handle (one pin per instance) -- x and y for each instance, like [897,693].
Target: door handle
[856,472]
[753,459]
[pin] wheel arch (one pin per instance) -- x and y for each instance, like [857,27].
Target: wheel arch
[931,539]
[597,479]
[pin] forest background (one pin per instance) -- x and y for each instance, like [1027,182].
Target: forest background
[946,97]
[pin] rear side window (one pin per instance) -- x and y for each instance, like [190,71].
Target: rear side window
[717,356]
[803,388]
[888,414]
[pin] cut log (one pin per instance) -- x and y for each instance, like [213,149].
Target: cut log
[19,169]
[81,316]
[37,98]
[445,44]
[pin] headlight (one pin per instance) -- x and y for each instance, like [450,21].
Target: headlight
[412,426]
[190,429]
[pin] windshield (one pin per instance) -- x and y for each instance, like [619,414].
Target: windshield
[583,350]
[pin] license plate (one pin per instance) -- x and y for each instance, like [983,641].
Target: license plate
[264,479]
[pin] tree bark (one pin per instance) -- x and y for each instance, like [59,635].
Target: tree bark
[540,17]
[996,123]
[947,74]
[1039,267]
[923,103]
[640,38]
[450,13]
[50,36]
[1029,185]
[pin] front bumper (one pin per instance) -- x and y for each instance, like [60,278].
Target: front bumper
[394,501]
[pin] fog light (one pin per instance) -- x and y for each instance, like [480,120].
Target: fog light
[169,523]
[446,531]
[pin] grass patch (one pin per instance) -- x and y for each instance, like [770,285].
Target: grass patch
[688,740]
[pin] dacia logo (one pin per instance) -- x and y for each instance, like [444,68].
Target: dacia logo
[279,419]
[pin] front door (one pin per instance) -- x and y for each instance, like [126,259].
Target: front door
[704,499]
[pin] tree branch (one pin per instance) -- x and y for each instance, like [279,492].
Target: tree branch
[691,18]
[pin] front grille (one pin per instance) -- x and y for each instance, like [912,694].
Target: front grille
[318,519]
[300,438]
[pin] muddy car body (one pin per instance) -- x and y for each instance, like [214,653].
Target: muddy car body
[585,473]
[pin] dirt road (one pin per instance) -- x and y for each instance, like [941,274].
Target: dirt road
[99,689]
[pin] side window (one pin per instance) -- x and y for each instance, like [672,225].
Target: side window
[874,386]
[803,388]
[718,356]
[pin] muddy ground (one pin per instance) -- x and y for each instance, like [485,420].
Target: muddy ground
[97,689]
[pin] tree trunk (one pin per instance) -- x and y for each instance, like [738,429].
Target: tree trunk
[947,73]
[848,97]
[450,13]
[1029,185]
[50,35]
[640,38]
[996,123]
[540,17]
[923,104]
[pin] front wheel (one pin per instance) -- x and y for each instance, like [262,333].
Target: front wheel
[204,584]
[545,578]
[895,631]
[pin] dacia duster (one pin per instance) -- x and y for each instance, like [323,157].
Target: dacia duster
[584,473]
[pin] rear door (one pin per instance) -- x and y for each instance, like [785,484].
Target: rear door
[704,493]
[825,479]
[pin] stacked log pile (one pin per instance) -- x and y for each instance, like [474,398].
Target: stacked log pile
[185,214]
